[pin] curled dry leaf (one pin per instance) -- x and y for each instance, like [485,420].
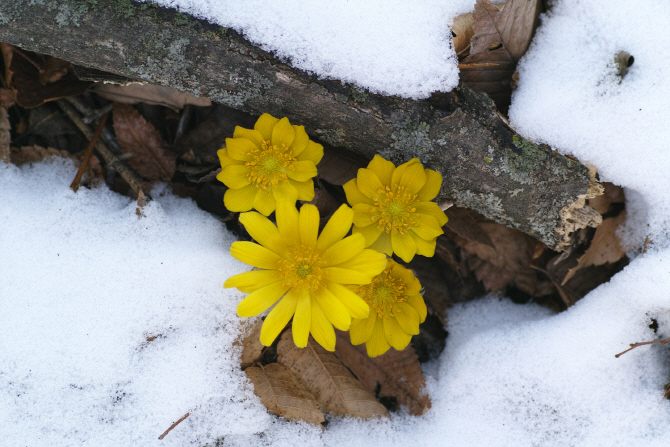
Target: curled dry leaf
[337,168]
[150,94]
[137,136]
[395,374]
[463,223]
[462,31]
[251,344]
[329,381]
[603,203]
[284,395]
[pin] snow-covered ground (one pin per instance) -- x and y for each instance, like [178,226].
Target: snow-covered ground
[84,282]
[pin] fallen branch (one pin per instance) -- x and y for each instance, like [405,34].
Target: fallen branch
[86,158]
[173,426]
[642,343]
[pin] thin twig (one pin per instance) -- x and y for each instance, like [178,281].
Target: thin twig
[86,158]
[173,426]
[112,160]
[642,343]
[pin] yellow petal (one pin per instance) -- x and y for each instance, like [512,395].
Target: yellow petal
[314,153]
[355,305]
[263,231]
[345,276]
[300,142]
[240,200]
[255,255]
[367,262]
[287,221]
[283,133]
[432,187]
[261,300]
[414,178]
[305,189]
[395,336]
[369,184]
[365,215]
[400,170]
[252,135]
[382,168]
[265,202]
[354,195]
[417,302]
[337,227]
[377,345]
[371,233]
[234,176]
[361,330]
[279,317]
[403,245]
[343,250]
[302,170]
[253,280]
[321,329]
[240,148]
[428,227]
[333,309]
[284,190]
[431,209]
[308,224]
[302,318]
[407,317]
[382,244]
[424,247]
[225,159]
[265,124]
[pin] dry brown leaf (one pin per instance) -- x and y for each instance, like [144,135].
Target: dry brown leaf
[329,381]
[136,135]
[29,154]
[283,394]
[251,344]
[605,247]
[150,94]
[7,98]
[463,223]
[462,31]
[603,203]
[395,374]
[53,70]
[5,135]
[324,202]
[336,168]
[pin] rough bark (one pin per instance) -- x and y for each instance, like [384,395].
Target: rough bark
[486,166]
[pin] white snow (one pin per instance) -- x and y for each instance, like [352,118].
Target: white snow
[84,282]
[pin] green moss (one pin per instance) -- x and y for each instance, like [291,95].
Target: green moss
[359,94]
[180,19]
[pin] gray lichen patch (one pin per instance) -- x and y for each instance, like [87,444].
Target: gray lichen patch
[411,139]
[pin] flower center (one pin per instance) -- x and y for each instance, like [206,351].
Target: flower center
[268,165]
[393,208]
[302,267]
[384,291]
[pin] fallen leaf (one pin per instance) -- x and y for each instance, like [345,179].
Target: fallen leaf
[150,94]
[30,154]
[284,395]
[137,136]
[7,98]
[462,31]
[395,374]
[251,344]
[53,70]
[603,203]
[5,135]
[463,223]
[329,381]
[337,168]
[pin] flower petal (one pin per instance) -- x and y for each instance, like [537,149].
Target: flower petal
[225,159]
[361,330]
[424,247]
[321,329]
[300,141]
[377,345]
[261,300]
[365,214]
[265,202]
[302,318]
[287,222]
[345,276]
[431,209]
[414,178]
[255,255]
[395,336]
[337,227]
[382,168]
[305,189]
[240,148]
[234,176]
[432,187]
[368,182]
[333,309]
[343,250]
[284,190]
[302,170]
[250,134]
[240,200]
[367,262]
[354,195]
[428,227]
[265,124]
[278,317]
[356,306]
[371,233]
[408,318]
[403,245]
[283,133]
[400,170]
[308,224]
[253,280]
[417,302]
[314,153]
[382,244]
[263,231]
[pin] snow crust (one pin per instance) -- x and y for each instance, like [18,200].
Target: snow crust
[393,47]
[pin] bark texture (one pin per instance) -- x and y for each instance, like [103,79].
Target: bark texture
[486,166]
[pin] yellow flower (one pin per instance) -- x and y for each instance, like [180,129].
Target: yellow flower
[303,274]
[396,310]
[273,161]
[392,207]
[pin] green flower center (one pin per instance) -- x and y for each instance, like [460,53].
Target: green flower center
[394,208]
[301,267]
[383,292]
[268,165]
